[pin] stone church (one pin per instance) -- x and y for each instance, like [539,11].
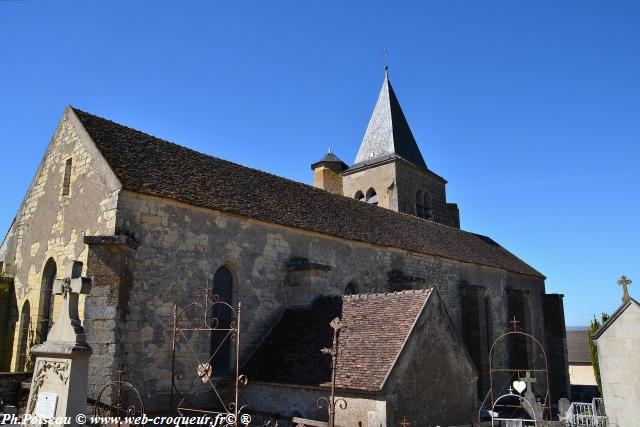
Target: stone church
[375,243]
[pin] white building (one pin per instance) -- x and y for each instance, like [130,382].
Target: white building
[618,342]
[581,376]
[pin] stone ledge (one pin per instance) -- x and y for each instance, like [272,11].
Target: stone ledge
[118,240]
[396,276]
[52,348]
[303,264]
[473,288]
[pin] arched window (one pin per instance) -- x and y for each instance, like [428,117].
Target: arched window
[23,337]
[221,339]
[428,210]
[359,196]
[351,289]
[372,197]
[419,204]
[46,301]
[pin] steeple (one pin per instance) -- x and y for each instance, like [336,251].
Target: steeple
[388,134]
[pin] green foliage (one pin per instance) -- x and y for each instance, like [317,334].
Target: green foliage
[593,328]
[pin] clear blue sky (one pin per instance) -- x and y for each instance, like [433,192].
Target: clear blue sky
[531,109]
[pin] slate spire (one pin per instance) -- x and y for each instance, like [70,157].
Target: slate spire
[388,134]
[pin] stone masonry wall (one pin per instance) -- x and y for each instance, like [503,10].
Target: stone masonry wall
[397,184]
[381,178]
[110,264]
[556,346]
[410,180]
[50,224]
[327,179]
[181,247]
[426,395]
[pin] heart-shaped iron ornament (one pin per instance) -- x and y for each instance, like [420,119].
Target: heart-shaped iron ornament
[520,386]
[204,372]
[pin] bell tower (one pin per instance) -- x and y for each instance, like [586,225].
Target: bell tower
[389,170]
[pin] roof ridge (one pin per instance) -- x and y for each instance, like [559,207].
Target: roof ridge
[214,157]
[77,110]
[146,164]
[386,294]
[412,217]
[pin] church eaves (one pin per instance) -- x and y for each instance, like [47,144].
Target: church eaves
[388,134]
[145,164]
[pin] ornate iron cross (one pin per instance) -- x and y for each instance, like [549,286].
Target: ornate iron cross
[336,325]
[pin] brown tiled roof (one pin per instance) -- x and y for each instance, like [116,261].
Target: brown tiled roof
[149,165]
[578,346]
[375,329]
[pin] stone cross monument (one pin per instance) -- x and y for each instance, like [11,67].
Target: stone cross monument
[528,379]
[538,410]
[625,282]
[59,383]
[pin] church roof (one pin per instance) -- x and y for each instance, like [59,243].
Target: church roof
[149,165]
[578,346]
[388,133]
[331,159]
[374,331]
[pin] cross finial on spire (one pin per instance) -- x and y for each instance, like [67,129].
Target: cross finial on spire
[386,62]
[624,281]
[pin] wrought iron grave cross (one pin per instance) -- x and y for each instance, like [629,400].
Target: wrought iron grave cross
[336,325]
[404,422]
[625,282]
[514,324]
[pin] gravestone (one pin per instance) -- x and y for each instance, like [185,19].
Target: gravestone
[536,410]
[59,383]
[563,407]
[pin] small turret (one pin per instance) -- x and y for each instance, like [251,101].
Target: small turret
[326,173]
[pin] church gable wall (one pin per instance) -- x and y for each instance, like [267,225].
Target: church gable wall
[619,356]
[56,214]
[273,267]
[434,381]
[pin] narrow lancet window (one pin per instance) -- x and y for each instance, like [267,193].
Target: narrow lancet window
[67,178]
